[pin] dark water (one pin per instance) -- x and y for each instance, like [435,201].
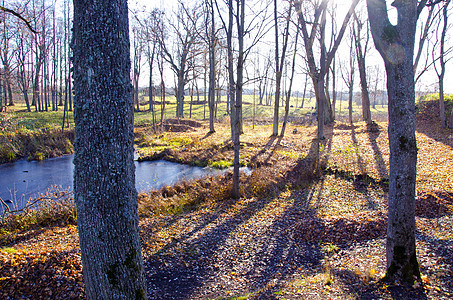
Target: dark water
[21,180]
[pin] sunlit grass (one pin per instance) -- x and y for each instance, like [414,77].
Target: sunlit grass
[197,111]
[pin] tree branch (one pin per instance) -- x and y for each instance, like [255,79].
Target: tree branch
[20,17]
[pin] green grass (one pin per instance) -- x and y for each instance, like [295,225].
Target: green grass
[221,164]
[242,297]
[8,250]
[53,119]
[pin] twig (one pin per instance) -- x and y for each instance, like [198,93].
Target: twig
[20,17]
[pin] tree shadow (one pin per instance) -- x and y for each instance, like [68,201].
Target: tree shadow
[21,237]
[178,274]
[379,160]
[427,121]
[441,252]
[360,163]
[365,289]
[255,159]
[208,134]
[212,260]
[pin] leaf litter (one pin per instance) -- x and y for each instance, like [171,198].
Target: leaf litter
[289,239]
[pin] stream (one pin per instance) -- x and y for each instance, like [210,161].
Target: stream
[22,180]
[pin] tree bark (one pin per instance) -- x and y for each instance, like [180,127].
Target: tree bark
[288,96]
[396,46]
[334,88]
[104,179]
[441,74]
[361,53]
[211,91]
[237,124]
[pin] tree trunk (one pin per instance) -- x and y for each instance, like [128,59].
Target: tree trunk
[443,120]
[288,97]
[451,120]
[211,92]
[10,92]
[366,112]
[441,74]
[5,99]
[351,94]
[27,102]
[334,87]
[70,104]
[305,90]
[191,102]
[401,254]
[278,74]
[104,179]
[402,262]
[238,99]
[1,96]
[150,86]
[180,95]
[36,97]
[321,102]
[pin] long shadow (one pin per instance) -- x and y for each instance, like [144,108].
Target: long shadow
[178,276]
[174,275]
[281,254]
[379,160]
[443,253]
[362,168]
[374,290]
[298,234]
[29,235]
[254,160]
[188,266]
[279,140]
[208,134]
[427,121]
[356,150]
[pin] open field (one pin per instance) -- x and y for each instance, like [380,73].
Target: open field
[199,111]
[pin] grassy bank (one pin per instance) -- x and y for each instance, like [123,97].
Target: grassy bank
[19,139]
[36,135]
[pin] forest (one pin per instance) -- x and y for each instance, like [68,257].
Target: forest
[325,129]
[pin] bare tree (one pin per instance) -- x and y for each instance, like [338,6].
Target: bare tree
[6,53]
[395,43]
[185,31]
[151,27]
[211,37]
[22,55]
[319,71]
[424,36]
[442,60]
[348,75]
[361,52]
[279,60]
[138,46]
[288,95]
[236,15]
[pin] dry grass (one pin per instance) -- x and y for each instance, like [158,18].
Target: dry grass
[296,232]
